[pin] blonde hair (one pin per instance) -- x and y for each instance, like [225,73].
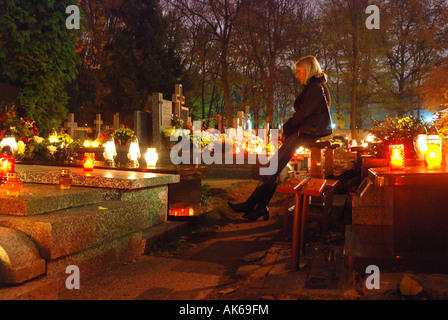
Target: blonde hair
[312,68]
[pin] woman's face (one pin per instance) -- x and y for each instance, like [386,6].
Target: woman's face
[301,73]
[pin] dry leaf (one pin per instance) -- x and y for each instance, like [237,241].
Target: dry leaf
[351,294]
[409,287]
[228,290]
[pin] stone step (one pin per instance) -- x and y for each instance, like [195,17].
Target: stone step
[36,199]
[68,231]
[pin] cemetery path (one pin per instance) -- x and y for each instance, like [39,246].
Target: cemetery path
[229,258]
[226,257]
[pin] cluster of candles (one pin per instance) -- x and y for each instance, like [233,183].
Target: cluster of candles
[428,147]
[110,153]
[8,176]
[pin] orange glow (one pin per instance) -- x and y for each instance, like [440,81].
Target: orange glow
[182,212]
[7,165]
[434,156]
[89,161]
[397,157]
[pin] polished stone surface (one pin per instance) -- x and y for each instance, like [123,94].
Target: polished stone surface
[100,178]
[411,175]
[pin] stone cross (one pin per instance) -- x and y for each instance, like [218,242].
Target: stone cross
[116,121]
[98,122]
[178,100]
[71,124]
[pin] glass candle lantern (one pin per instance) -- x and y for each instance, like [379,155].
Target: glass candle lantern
[397,159]
[421,143]
[151,157]
[134,153]
[434,156]
[13,185]
[53,137]
[110,152]
[7,163]
[89,161]
[65,179]
[9,140]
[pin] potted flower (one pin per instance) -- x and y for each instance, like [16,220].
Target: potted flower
[123,135]
[396,131]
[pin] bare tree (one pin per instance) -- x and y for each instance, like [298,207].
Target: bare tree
[218,16]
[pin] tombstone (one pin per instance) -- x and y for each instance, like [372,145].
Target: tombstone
[178,100]
[184,115]
[140,129]
[240,116]
[116,125]
[235,123]
[71,125]
[161,118]
[98,122]
[82,133]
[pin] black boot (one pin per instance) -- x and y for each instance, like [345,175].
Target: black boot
[249,205]
[262,210]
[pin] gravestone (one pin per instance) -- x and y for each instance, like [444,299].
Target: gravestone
[161,118]
[71,125]
[140,129]
[116,121]
[235,123]
[82,133]
[98,122]
[240,116]
[178,101]
[185,115]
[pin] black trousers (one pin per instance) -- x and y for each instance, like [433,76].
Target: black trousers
[284,155]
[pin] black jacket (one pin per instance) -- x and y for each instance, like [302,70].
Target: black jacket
[312,116]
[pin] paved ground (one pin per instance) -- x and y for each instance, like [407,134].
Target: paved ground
[229,258]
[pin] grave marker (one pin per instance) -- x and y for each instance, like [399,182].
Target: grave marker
[98,122]
[71,125]
[161,118]
[178,100]
[140,129]
[116,121]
